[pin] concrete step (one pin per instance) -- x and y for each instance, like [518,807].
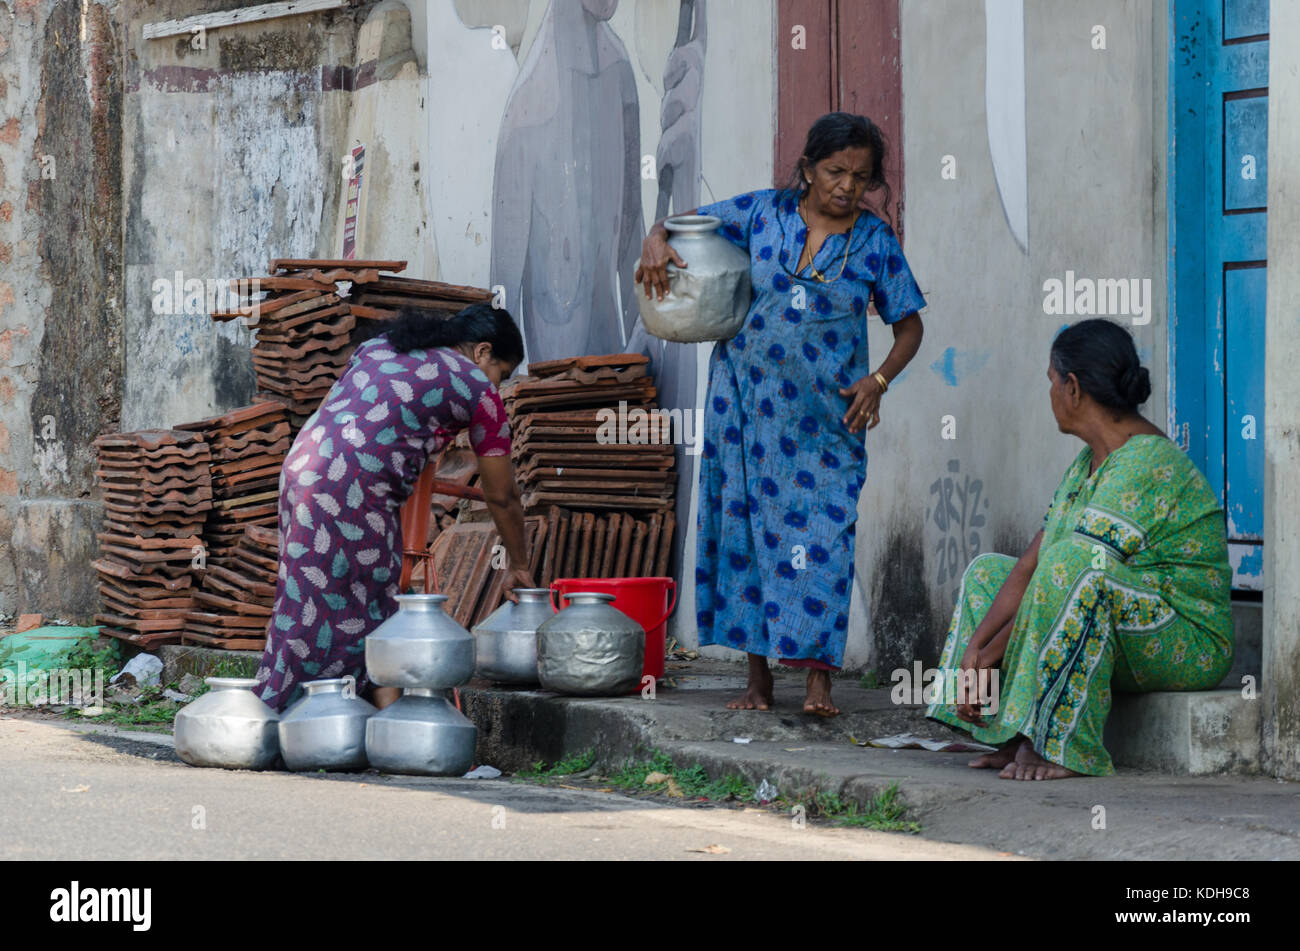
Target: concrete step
[1193,733]
[179,660]
[1248,622]
[1196,733]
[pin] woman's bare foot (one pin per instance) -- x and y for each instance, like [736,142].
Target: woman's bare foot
[818,699]
[758,692]
[1005,754]
[1029,765]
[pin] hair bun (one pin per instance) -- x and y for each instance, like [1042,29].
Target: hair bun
[1135,385]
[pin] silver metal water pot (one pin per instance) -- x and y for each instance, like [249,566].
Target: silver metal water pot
[420,646]
[708,299]
[421,734]
[326,729]
[228,727]
[590,648]
[507,638]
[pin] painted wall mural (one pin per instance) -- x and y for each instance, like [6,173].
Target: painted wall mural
[1004,106]
[567,222]
[677,159]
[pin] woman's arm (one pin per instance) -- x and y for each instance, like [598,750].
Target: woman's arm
[864,402]
[501,493]
[656,252]
[990,637]
[989,641]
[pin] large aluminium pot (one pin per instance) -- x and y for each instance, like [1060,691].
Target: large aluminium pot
[326,729]
[421,734]
[420,646]
[709,298]
[229,727]
[590,649]
[507,638]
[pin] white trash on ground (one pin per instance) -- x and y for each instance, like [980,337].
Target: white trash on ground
[143,669]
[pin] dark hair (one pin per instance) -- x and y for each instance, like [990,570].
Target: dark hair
[1102,357]
[418,329]
[843,130]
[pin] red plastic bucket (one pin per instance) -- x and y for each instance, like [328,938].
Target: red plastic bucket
[644,600]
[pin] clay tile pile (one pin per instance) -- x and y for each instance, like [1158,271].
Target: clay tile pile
[248,447]
[232,608]
[157,492]
[596,507]
[306,327]
[463,564]
[566,449]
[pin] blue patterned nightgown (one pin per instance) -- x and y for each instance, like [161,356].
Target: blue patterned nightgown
[780,473]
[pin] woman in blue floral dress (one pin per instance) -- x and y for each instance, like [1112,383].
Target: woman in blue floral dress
[403,396]
[790,397]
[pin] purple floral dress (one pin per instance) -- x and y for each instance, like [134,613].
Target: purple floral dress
[344,481]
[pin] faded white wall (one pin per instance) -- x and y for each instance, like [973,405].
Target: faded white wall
[1095,149]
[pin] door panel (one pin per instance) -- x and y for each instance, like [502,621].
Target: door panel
[1218,238]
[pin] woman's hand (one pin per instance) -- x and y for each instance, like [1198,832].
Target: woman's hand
[864,405]
[518,578]
[656,252]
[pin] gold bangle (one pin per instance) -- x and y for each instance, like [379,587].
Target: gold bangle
[880,378]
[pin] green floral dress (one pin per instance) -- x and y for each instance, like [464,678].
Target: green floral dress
[1132,590]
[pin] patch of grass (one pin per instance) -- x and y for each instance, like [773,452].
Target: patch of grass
[870,681]
[233,667]
[886,812]
[692,780]
[632,774]
[153,710]
[85,655]
[578,763]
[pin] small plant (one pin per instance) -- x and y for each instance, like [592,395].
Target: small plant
[885,812]
[578,763]
[870,681]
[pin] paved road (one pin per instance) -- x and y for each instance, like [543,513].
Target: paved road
[73,794]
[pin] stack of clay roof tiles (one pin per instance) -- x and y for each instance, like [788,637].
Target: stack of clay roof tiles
[233,605]
[157,492]
[595,506]
[248,447]
[310,321]
[568,447]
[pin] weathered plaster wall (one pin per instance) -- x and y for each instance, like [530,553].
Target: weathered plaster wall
[232,157]
[388,118]
[1095,150]
[60,291]
[1281,683]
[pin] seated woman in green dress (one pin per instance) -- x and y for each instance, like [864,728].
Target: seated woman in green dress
[1126,585]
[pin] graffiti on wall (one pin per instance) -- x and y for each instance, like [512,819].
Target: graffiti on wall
[958,510]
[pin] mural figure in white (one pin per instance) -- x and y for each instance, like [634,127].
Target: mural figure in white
[1004,107]
[566,220]
[463,122]
[677,159]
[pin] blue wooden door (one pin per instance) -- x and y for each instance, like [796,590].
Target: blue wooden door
[1219,198]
